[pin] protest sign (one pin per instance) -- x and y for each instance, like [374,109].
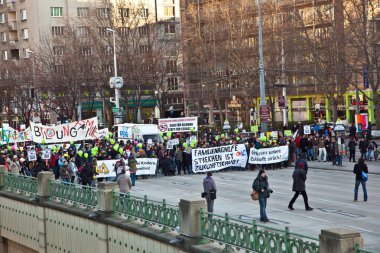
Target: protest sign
[307,129]
[178,124]
[288,133]
[46,154]
[124,132]
[210,159]
[145,166]
[75,131]
[32,156]
[268,155]
[254,129]
[103,133]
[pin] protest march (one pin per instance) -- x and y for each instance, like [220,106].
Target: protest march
[174,146]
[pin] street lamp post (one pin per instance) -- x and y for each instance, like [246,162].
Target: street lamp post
[261,67]
[34,73]
[117,90]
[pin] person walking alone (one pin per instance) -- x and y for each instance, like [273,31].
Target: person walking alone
[352,147]
[299,186]
[358,169]
[261,185]
[209,188]
[124,182]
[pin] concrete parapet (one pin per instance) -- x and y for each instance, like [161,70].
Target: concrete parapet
[339,240]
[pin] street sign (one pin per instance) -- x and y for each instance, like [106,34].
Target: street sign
[115,109]
[264,113]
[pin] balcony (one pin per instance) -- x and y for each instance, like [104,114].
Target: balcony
[11,7]
[13,44]
[12,25]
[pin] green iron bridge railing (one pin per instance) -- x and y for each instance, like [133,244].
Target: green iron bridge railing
[75,194]
[19,184]
[149,211]
[253,237]
[357,249]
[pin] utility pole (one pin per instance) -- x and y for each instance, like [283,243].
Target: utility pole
[261,67]
[357,92]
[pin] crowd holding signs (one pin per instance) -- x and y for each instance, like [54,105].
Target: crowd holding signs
[177,140]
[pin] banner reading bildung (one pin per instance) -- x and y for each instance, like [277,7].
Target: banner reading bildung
[268,155]
[217,158]
[145,166]
[75,131]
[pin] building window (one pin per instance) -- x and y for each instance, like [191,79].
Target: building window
[104,12]
[2,18]
[25,53]
[169,28]
[124,12]
[5,55]
[56,11]
[57,30]
[83,31]
[25,33]
[59,69]
[107,50]
[144,30]
[83,12]
[86,50]
[143,13]
[173,83]
[58,50]
[103,31]
[123,31]
[171,66]
[3,37]
[169,11]
[23,15]
[144,49]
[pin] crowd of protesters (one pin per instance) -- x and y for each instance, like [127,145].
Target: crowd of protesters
[77,163]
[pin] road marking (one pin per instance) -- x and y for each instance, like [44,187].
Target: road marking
[336,202]
[227,184]
[304,216]
[186,178]
[370,231]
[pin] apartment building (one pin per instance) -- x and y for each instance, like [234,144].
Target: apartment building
[25,23]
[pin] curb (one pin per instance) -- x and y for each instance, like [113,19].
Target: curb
[336,169]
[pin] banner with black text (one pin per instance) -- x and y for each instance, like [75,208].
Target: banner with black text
[145,166]
[268,155]
[217,158]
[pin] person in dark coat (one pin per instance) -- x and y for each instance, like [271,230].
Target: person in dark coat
[352,147]
[353,131]
[299,187]
[87,174]
[363,148]
[358,169]
[261,185]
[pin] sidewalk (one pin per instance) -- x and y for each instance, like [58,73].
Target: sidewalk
[373,167]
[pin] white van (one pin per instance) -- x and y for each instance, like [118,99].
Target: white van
[130,131]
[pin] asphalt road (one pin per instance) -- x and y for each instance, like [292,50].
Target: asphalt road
[330,194]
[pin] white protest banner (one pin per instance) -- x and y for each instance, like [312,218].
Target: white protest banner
[15,136]
[268,155]
[210,159]
[46,154]
[32,156]
[175,141]
[178,124]
[103,133]
[124,132]
[75,131]
[145,166]
[307,129]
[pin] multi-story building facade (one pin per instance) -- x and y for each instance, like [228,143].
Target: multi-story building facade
[27,24]
[220,46]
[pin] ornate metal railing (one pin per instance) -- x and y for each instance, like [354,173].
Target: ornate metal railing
[254,237]
[149,211]
[19,184]
[357,249]
[74,194]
